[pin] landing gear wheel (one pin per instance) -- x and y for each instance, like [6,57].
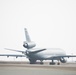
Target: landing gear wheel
[52,63]
[58,63]
[41,63]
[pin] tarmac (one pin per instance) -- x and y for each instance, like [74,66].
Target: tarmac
[24,68]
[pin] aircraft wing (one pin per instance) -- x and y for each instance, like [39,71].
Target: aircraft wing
[66,56]
[12,55]
[59,56]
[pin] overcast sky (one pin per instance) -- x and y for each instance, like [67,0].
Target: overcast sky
[50,23]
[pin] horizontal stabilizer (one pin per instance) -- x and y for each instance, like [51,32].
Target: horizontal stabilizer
[14,50]
[36,50]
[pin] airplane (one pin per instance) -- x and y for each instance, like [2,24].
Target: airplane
[34,54]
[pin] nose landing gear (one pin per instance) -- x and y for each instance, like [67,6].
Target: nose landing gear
[52,63]
[58,63]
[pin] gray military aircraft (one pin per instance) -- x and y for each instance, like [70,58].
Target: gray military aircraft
[34,54]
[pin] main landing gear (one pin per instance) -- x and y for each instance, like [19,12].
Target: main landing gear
[32,61]
[53,63]
[41,62]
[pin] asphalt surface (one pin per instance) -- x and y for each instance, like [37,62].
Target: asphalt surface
[8,68]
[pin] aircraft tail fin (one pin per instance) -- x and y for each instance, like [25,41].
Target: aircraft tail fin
[28,43]
[27,36]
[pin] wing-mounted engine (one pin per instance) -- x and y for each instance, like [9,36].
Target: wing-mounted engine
[63,60]
[29,45]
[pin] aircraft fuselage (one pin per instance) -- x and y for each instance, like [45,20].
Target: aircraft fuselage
[47,54]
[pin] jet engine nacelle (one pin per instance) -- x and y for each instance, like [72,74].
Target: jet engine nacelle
[63,60]
[29,45]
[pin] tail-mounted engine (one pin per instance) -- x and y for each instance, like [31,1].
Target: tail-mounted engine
[29,45]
